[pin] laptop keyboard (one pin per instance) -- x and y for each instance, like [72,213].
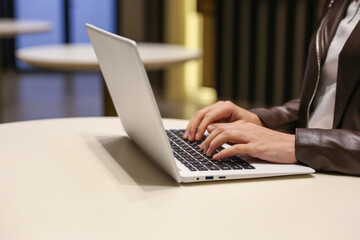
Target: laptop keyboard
[192,157]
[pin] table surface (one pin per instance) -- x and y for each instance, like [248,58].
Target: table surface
[82,56]
[82,178]
[12,27]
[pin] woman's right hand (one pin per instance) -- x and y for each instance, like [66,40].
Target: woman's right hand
[219,112]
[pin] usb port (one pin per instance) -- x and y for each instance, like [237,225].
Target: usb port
[222,177]
[209,177]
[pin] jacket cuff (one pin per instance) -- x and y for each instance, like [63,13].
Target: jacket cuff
[328,150]
[305,142]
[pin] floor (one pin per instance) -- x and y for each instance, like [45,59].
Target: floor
[41,95]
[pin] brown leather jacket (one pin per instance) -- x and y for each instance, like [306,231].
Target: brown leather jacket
[337,149]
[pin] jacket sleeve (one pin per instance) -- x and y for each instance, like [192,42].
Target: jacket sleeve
[333,150]
[282,118]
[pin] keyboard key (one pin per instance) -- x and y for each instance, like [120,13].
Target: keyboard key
[248,167]
[203,160]
[183,161]
[202,168]
[212,167]
[194,161]
[207,163]
[197,165]
[242,163]
[223,166]
[199,157]
[234,165]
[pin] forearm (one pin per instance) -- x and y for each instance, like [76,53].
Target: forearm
[334,150]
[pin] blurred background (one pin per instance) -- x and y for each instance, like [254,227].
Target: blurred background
[254,53]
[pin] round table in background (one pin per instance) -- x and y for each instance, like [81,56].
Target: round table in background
[12,27]
[77,57]
[155,56]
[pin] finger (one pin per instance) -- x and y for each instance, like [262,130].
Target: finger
[225,133]
[212,116]
[237,149]
[202,145]
[192,130]
[192,127]
[186,133]
[210,138]
[214,130]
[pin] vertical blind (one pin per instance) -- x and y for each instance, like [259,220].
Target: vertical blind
[262,47]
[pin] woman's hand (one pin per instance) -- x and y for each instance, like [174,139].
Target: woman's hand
[250,139]
[218,112]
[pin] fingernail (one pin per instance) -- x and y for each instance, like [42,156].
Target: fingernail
[211,128]
[216,156]
[198,136]
[208,152]
[202,145]
[186,134]
[191,137]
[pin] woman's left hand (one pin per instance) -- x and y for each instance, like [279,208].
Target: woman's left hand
[249,139]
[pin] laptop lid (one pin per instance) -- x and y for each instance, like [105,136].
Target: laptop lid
[129,87]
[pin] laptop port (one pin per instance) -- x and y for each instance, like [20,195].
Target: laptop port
[209,177]
[222,177]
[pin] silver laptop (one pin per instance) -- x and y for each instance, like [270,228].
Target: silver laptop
[128,84]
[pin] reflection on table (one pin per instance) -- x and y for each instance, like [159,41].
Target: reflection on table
[12,27]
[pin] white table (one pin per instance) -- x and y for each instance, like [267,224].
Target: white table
[70,57]
[12,27]
[82,178]
[82,56]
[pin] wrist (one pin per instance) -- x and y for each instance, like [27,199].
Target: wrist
[291,148]
[256,120]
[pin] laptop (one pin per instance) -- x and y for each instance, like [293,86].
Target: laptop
[130,90]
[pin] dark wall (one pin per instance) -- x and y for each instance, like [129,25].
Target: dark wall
[7,44]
